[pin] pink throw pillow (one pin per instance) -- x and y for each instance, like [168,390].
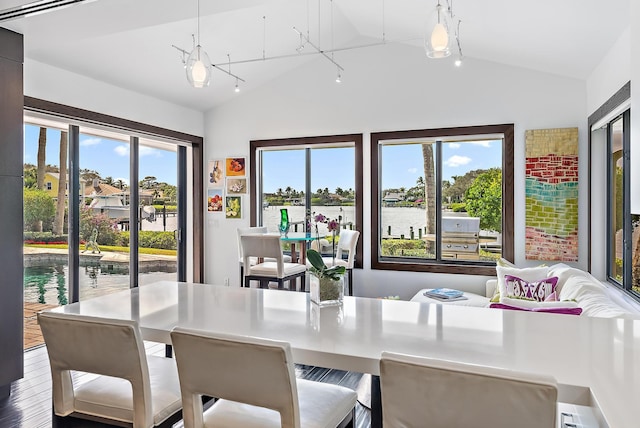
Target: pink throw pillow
[535,290]
[566,311]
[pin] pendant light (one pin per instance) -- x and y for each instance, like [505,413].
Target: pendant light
[198,65]
[438,38]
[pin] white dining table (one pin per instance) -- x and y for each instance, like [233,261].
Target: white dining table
[596,361]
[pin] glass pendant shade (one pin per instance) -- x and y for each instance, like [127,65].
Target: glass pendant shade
[198,68]
[439,35]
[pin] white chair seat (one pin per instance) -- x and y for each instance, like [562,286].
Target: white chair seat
[271,269]
[112,397]
[315,398]
[329,261]
[254,260]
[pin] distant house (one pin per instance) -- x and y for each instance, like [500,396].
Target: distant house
[391,198]
[51,182]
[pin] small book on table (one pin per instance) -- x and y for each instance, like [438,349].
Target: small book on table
[445,294]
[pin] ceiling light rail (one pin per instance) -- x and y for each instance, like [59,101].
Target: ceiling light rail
[185,54]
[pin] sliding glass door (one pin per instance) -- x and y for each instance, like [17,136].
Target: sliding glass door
[127,189]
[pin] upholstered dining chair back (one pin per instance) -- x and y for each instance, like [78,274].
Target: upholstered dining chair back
[263,246]
[106,347]
[347,243]
[224,366]
[254,230]
[449,394]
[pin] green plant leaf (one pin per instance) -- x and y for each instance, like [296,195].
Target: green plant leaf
[316,261]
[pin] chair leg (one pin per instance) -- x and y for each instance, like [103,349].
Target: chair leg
[303,283]
[241,275]
[350,281]
[247,282]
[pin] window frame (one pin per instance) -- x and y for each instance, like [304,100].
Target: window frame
[80,117]
[300,142]
[627,227]
[444,266]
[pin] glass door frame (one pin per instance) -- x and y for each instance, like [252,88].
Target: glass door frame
[79,117]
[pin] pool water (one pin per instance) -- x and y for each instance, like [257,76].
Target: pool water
[49,283]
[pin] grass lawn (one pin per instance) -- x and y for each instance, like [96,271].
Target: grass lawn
[154,251]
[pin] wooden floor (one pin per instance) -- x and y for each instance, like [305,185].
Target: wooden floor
[29,405]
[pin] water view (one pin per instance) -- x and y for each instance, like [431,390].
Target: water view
[48,282]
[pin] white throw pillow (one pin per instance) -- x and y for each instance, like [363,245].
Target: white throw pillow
[528,274]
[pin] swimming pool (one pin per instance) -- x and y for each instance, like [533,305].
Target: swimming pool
[48,282]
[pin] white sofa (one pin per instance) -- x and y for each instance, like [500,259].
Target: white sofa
[573,284]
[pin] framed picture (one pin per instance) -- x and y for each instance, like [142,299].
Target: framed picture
[216,173]
[236,167]
[214,200]
[233,207]
[236,186]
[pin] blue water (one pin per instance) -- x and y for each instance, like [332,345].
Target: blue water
[49,283]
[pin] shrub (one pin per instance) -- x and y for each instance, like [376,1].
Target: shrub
[44,238]
[394,247]
[150,239]
[38,207]
[107,228]
[459,207]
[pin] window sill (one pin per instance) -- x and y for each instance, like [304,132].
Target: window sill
[450,267]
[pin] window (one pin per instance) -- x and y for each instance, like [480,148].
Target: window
[442,199]
[308,176]
[623,230]
[48,185]
[102,158]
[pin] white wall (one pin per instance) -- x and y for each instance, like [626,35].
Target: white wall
[394,87]
[64,87]
[611,73]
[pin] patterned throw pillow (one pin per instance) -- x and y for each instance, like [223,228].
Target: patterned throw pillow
[539,291]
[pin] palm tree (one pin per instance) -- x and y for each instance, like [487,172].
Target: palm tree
[58,222]
[42,148]
[429,193]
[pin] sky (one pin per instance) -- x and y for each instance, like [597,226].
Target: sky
[402,165]
[107,157]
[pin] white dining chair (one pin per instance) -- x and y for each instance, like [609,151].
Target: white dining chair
[255,384]
[130,387]
[268,247]
[346,244]
[253,230]
[449,394]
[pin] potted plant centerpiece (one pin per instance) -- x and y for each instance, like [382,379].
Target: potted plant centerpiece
[326,284]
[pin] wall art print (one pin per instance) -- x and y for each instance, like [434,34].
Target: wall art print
[233,207]
[216,173]
[551,194]
[236,186]
[214,200]
[236,167]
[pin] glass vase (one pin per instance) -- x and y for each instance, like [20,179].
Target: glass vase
[283,227]
[326,291]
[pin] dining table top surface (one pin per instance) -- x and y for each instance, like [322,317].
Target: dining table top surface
[597,359]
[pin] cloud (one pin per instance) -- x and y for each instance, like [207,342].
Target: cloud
[91,141]
[481,143]
[455,161]
[148,151]
[412,170]
[453,145]
[122,150]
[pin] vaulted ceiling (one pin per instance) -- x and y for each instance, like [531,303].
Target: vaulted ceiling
[129,43]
